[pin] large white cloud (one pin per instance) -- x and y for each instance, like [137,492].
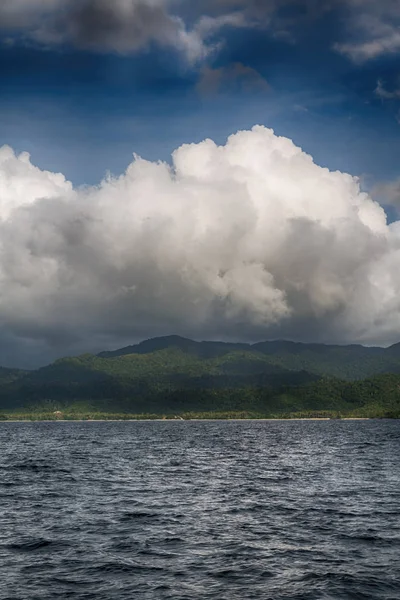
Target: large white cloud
[248,240]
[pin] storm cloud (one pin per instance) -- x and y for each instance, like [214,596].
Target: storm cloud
[243,241]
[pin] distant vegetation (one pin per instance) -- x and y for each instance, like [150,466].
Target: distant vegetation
[176,377]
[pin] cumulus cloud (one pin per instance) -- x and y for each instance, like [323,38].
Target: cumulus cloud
[248,240]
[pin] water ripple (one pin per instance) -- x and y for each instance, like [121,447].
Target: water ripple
[210,510]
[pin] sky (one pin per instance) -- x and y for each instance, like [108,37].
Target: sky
[218,169]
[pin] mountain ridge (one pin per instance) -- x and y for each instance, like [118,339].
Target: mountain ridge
[174,374]
[352,361]
[160,342]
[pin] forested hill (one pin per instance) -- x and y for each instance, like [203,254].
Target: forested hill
[174,374]
[346,362]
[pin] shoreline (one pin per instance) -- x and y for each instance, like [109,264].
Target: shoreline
[182,420]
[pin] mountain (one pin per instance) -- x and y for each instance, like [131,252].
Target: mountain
[175,374]
[200,349]
[393,351]
[10,375]
[346,362]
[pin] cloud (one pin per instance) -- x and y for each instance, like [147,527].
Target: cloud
[388,193]
[385,94]
[195,30]
[236,76]
[121,26]
[248,241]
[374,28]
[16,14]
[262,12]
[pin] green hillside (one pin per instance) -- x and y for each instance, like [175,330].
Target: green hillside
[139,378]
[345,362]
[176,375]
[11,375]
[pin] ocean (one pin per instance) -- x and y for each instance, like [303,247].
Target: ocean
[280,510]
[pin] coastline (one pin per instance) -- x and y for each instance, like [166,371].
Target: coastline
[180,420]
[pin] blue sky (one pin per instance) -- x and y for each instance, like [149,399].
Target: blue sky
[84,111]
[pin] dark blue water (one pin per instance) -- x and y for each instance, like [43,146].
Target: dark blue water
[224,510]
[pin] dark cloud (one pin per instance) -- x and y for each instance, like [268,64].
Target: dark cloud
[15,14]
[366,29]
[98,23]
[121,26]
